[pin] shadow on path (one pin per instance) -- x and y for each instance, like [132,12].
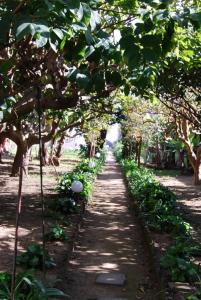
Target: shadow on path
[110,241]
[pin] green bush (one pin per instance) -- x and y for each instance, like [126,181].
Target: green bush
[56,233]
[156,202]
[33,258]
[64,205]
[157,206]
[28,287]
[82,173]
[178,260]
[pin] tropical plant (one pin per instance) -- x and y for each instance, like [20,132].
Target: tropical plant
[27,287]
[33,258]
[56,233]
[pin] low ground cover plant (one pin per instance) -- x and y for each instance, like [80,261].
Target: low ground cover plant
[33,258]
[179,260]
[83,173]
[56,233]
[28,287]
[64,205]
[157,205]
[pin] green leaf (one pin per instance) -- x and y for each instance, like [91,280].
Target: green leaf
[196,17]
[22,30]
[58,32]
[94,20]
[127,41]
[151,40]
[5,26]
[86,14]
[133,56]
[53,45]
[82,80]
[89,50]
[72,4]
[6,65]
[114,78]
[151,54]
[41,41]
[79,26]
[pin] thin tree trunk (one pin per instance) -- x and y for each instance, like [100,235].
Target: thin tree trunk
[45,155]
[59,146]
[22,156]
[139,152]
[17,161]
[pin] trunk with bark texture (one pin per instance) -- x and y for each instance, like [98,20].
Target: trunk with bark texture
[2,146]
[139,152]
[45,155]
[59,146]
[22,156]
[183,133]
[194,159]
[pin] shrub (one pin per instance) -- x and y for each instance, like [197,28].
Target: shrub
[28,287]
[82,173]
[56,233]
[178,260]
[33,258]
[64,205]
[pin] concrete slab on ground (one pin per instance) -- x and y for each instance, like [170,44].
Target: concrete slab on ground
[111,278]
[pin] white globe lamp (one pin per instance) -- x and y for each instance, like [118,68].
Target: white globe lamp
[98,155]
[92,164]
[77,186]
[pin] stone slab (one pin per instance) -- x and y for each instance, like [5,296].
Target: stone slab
[111,279]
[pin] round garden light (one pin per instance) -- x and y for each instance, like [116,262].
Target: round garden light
[92,164]
[97,154]
[77,186]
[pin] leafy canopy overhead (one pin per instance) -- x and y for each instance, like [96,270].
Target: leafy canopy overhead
[78,51]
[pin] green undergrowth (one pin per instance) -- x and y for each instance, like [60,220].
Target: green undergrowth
[157,207]
[57,210]
[32,258]
[83,173]
[28,287]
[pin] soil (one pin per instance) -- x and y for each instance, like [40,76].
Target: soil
[110,241]
[30,221]
[189,200]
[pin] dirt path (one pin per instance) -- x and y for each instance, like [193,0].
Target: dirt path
[30,222]
[110,241]
[189,197]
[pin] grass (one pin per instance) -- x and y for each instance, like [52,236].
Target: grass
[167,173]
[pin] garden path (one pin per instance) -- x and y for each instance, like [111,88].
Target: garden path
[110,241]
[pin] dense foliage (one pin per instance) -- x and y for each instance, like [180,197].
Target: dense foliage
[33,258]
[27,288]
[157,207]
[83,173]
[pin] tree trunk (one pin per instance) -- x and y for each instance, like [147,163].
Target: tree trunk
[22,157]
[54,159]
[158,156]
[2,145]
[196,178]
[139,152]
[17,161]
[59,146]
[195,163]
[45,155]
